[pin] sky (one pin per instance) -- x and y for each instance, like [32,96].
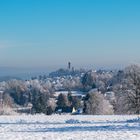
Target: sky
[89,33]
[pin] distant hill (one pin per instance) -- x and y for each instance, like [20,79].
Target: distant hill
[66,72]
[7,78]
[20,73]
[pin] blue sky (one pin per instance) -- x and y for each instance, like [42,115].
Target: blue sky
[89,33]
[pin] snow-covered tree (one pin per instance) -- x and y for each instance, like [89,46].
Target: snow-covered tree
[96,104]
[128,93]
[39,101]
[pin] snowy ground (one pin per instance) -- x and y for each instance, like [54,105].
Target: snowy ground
[67,127]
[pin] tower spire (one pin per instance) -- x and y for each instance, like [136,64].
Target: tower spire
[69,65]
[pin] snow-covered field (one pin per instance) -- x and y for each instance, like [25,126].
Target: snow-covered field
[67,127]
